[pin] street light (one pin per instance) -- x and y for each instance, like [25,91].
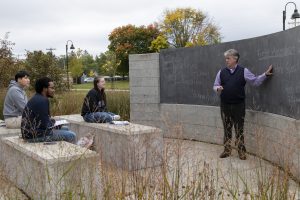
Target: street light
[67,64]
[295,15]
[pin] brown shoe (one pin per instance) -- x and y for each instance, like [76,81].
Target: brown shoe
[242,155]
[225,154]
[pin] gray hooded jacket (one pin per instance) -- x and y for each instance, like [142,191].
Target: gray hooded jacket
[15,100]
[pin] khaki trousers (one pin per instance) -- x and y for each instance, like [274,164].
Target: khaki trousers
[13,122]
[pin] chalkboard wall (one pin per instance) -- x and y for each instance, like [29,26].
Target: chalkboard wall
[187,75]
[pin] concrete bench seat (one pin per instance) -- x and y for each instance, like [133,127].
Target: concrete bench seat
[130,147]
[8,132]
[53,171]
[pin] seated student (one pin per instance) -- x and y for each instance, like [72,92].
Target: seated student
[94,108]
[37,126]
[15,100]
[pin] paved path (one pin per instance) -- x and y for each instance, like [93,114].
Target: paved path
[231,176]
[201,169]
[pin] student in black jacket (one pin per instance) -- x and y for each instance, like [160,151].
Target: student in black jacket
[94,108]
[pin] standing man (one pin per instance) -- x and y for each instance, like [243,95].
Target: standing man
[37,126]
[15,100]
[230,85]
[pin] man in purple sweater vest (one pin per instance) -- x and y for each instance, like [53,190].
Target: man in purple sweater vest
[230,85]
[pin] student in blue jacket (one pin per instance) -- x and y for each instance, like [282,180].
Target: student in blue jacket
[36,125]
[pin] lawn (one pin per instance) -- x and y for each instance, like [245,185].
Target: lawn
[120,85]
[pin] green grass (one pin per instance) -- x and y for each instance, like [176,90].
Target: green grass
[120,85]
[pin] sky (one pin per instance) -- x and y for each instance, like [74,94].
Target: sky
[43,24]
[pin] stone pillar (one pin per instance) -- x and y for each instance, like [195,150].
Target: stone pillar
[144,89]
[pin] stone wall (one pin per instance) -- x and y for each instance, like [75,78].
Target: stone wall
[274,137]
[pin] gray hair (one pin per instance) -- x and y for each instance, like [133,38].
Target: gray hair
[232,52]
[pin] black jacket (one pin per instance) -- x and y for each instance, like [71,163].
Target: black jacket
[95,101]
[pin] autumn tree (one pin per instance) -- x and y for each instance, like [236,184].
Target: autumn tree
[184,27]
[161,42]
[130,39]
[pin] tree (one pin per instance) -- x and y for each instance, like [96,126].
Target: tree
[100,62]
[159,43]
[185,27]
[8,64]
[111,64]
[88,62]
[40,64]
[130,39]
[75,64]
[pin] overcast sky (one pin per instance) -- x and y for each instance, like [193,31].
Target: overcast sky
[43,24]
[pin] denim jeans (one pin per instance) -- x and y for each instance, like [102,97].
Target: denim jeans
[98,117]
[62,134]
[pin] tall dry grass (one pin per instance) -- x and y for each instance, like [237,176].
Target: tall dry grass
[71,102]
[66,103]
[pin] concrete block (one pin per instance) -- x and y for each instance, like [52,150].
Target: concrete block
[143,57]
[156,124]
[145,115]
[168,128]
[140,107]
[9,132]
[144,99]
[197,114]
[169,114]
[6,132]
[144,91]
[144,82]
[203,133]
[144,73]
[130,147]
[279,122]
[153,64]
[51,171]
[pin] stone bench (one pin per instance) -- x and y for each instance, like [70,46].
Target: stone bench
[55,171]
[130,147]
[8,132]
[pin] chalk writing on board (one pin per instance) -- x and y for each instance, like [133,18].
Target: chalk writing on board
[273,53]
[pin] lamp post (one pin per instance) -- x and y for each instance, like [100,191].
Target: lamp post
[67,64]
[295,15]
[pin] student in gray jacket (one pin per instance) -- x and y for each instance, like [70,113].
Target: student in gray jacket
[15,100]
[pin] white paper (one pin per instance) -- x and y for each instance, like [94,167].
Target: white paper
[120,122]
[60,122]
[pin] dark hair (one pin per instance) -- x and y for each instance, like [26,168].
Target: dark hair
[96,80]
[20,74]
[42,83]
[101,92]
